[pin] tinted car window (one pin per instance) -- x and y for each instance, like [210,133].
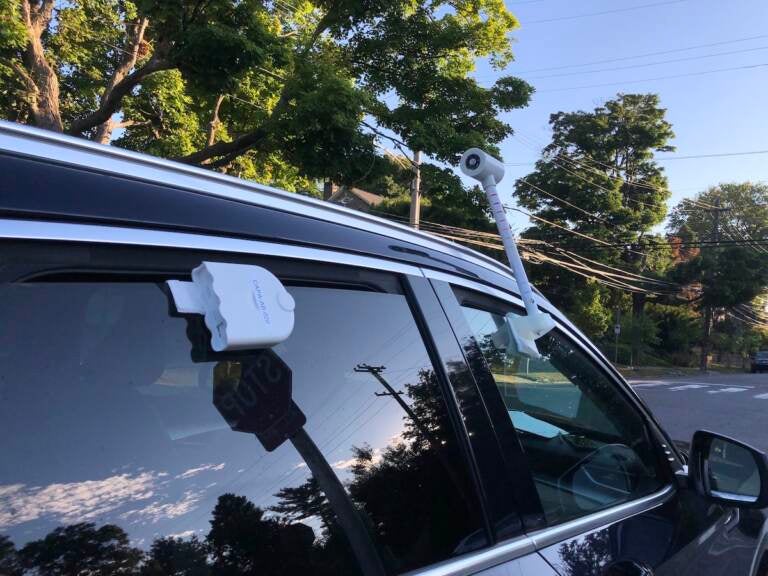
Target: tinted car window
[588,449]
[110,437]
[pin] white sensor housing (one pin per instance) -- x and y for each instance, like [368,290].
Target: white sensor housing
[481,166]
[525,329]
[244,306]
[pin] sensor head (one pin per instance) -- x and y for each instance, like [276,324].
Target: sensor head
[482,166]
[244,307]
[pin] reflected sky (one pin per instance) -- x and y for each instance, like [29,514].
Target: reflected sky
[106,419]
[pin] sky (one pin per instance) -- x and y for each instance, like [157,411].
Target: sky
[712,113]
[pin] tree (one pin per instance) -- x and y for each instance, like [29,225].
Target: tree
[10,564]
[276,91]
[243,541]
[746,216]
[177,557]
[726,275]
[82,549]
[444,198]
[588,555]
[678,332]
[600,167]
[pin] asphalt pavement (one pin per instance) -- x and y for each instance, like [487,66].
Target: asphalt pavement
[732,404]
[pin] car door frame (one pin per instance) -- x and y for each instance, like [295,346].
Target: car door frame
[544,536]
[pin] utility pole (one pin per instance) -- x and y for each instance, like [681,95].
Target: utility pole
[376,371]
[708,312]
[434,443]
[416,190]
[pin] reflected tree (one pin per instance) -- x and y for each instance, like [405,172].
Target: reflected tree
[407,494]
[587,556]
[82,549]
[9,558]
[177,557]
[304,502]
[409,497]
[413,493]
[243,541]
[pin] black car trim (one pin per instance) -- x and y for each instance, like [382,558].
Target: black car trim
[55,152]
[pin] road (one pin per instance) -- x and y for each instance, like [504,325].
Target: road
[732,404]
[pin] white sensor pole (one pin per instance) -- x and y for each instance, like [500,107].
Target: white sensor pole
[489,171]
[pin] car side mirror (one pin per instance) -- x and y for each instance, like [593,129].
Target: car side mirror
[728,471]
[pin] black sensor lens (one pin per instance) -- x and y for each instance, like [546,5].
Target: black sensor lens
[473,161]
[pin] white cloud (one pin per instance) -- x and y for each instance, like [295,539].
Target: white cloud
[199,470]
[344,464]
[185,534]
[300,465]
[73,501]
[156,511]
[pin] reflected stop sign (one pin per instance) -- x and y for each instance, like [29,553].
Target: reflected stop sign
[253,394]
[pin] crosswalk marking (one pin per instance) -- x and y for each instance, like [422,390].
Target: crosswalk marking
[709,388]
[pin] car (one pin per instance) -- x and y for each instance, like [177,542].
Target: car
[386,425]
[759,361]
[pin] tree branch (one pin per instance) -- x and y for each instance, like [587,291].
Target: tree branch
[127,63]
[111,102]
[228,151]
[29,83]
[233,148]
[213,125]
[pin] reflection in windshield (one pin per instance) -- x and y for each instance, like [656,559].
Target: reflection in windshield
[118,462]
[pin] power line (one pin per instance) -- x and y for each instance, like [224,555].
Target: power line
[731,228]
[645,55]
[566,202]
[715,155]
[585,165]
[581,164]
[647,64]
[556,225]
[625,272]
[692,243]
[747,321]
[670,77]
[604,12]
[752,312]
[585,271]
[619,228]
[579,264]
[604,189]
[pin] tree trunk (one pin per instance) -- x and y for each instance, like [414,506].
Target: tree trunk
[215,121]
[41,78]
[638,311]
[130,55]
[706,339]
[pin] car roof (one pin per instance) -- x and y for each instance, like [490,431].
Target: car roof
[49,175]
